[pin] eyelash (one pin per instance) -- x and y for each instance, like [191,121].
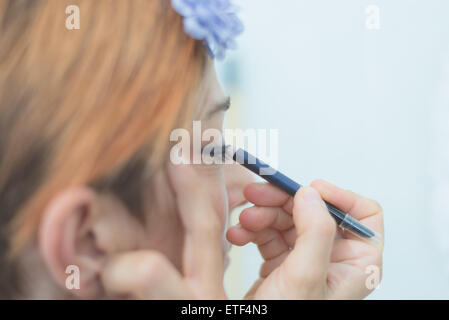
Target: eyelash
[211,151]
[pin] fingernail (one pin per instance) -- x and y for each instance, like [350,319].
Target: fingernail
[310,195]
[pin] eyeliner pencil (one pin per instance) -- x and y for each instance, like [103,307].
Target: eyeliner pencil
[343,219]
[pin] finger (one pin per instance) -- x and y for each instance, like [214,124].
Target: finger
[357,206]
[366,210]
[143,275]
[239,236]
[269,241]
[259,218]
[308,262]
[267,195]
[203,258]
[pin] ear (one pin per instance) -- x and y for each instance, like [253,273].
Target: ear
[79,230]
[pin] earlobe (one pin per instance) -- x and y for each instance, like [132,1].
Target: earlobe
[67,243]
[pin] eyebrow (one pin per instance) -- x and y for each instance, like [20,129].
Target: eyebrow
[221,106]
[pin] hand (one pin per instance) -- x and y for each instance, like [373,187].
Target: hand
[304,256]
[148,274]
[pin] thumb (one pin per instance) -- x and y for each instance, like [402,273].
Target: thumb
[308,262]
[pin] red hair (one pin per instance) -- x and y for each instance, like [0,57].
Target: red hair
[88,106]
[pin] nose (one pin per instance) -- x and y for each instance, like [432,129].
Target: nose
[236,179]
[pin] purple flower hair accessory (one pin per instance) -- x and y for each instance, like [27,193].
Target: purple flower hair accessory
[214,21]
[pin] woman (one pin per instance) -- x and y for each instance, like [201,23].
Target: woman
[86,181]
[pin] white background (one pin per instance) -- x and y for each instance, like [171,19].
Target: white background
[356,107]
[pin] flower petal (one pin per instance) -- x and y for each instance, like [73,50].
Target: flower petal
[214,21]
[194,29]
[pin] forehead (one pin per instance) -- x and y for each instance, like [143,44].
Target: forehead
[216,93]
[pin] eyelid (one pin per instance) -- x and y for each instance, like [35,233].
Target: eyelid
[222,107]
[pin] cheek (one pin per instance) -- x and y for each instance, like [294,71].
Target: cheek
[162,219]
